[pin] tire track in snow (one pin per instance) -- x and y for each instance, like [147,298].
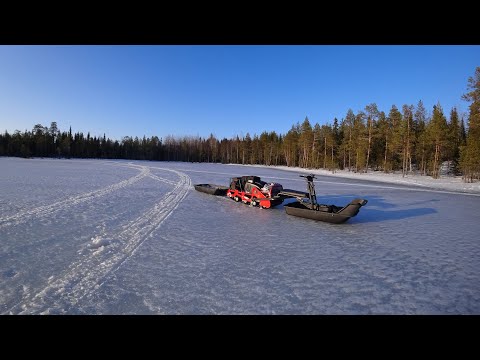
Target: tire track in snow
[85,276]
[46,210]
[158,178]
[155,177]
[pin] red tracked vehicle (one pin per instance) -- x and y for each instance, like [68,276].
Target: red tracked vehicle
[253,191]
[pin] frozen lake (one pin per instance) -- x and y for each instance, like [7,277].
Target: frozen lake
[134,237]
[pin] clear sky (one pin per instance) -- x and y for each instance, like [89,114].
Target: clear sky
[224,90]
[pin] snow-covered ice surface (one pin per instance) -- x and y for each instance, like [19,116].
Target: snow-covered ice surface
[134,237]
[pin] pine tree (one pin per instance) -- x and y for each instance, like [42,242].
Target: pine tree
[372,117]
[255,159]
[212,143]
[338,138]
[437,133]
[54,131]
[290,146]
[360,141]
[393,139]
[377,149]
[305,142]
[407,125]
[385,133]
[421,120]
[347,145]
[41,140]
[247,145]
[316,145]
[454,140]
[470,153]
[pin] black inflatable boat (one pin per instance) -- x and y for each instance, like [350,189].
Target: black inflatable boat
[315,211]
[329,213]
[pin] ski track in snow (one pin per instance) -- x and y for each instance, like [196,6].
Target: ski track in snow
[46,210]
[108,253]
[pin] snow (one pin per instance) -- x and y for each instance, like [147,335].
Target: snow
[134,237]
[451,183]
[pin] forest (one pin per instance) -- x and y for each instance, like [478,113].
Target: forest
[409,139]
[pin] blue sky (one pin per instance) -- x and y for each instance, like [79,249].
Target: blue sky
[224,90]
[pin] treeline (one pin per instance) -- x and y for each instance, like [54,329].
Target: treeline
[407,140]
[45,141]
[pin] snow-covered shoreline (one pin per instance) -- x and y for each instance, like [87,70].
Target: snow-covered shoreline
[449,183]
[452,183]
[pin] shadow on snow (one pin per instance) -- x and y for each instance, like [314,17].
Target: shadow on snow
[377,208]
